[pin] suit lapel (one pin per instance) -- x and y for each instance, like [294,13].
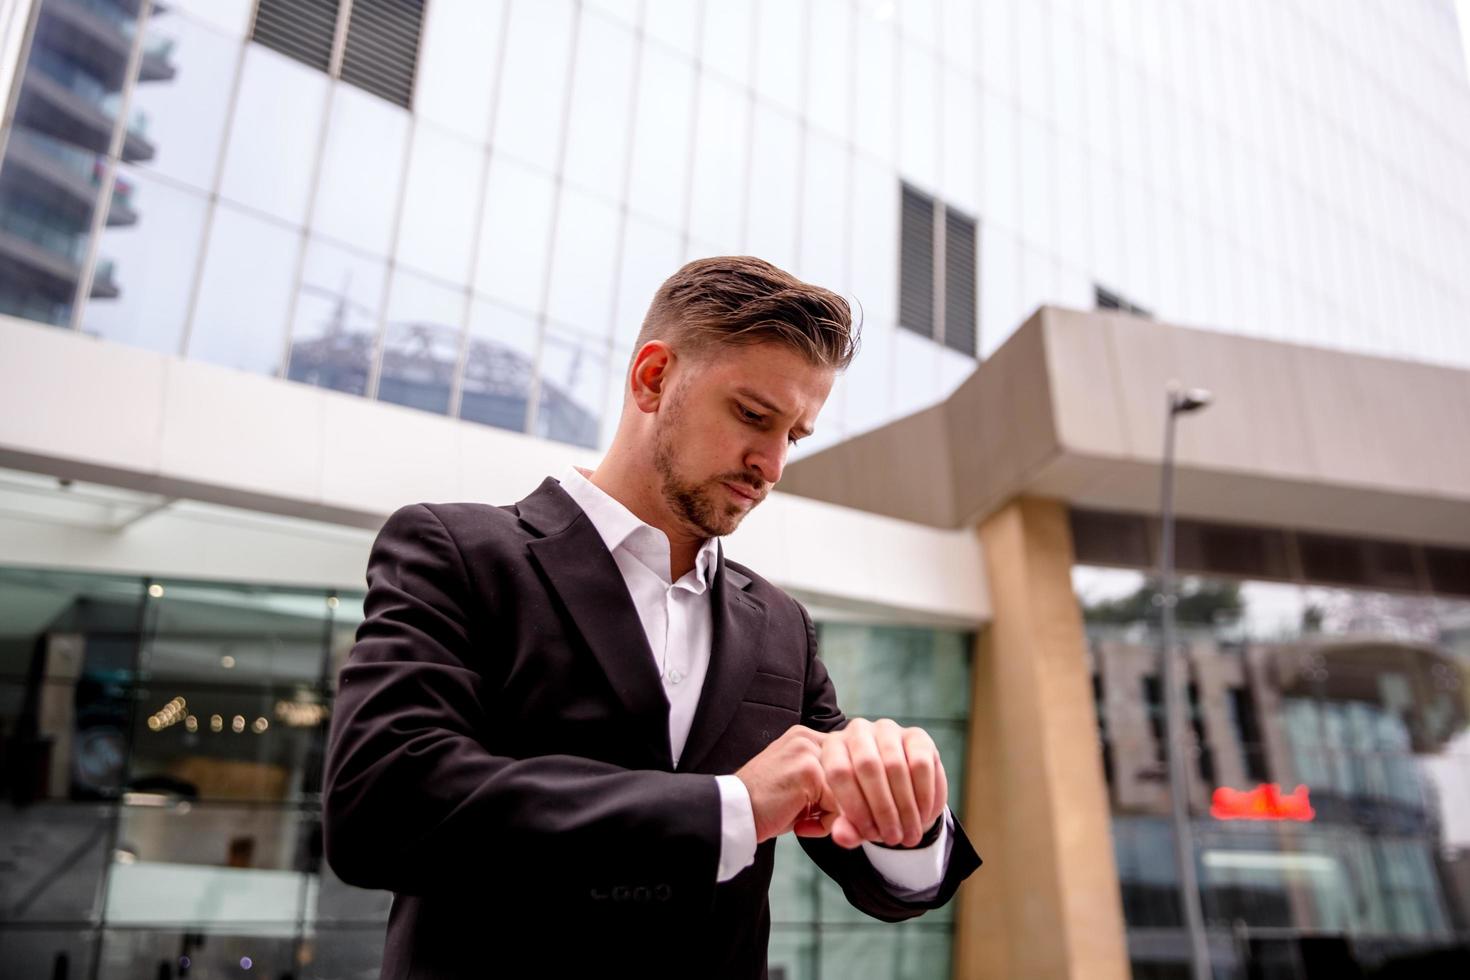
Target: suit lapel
[582,573]
[739,634]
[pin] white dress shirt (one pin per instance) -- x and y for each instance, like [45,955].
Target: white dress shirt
[678,620]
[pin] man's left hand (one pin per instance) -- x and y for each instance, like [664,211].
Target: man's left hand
[888,781]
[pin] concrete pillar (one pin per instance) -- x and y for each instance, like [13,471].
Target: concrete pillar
[1046,904]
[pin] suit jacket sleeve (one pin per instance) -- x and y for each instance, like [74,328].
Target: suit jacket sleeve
[864,887]
[415,802]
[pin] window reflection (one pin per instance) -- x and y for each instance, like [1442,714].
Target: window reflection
[147,261]
[650,254]
[362,169]
[602,90]
[1352,697]
[659,175]
[50,180]
[533,82]
[244,291]
[191,70]
[515,235]
[715,212]
[573,372]
[499,364]
[773,205]
[457,66]
[437,224]
[421,343]
[582,265]
[336,319]
[274,135]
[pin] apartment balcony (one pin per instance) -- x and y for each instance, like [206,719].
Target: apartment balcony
[66,103]
[63,178]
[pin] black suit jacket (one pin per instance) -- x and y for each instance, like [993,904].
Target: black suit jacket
[499,757]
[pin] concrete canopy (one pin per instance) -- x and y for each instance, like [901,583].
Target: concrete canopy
[1072,408]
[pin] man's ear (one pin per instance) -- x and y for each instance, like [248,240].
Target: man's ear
[650,375]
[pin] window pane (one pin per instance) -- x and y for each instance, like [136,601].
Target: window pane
[726,48]
[421,343]
[184,93]
[211,865]
[48,952]
[336,320]
[829,82]
[234,635]
[573,373]
[54,854]
[198,741]
[438,222]
[362,171]
[659,181]
[597,135]
[240,319]
[873,124]
[773,207]
[228,16]
[583,264]
[533,82]
[338,953]
[918,122]
[147,259]
[64,118]
[650,255]
[515,235]
[779,50]
[824,224]
[498,366]
[274,136]
[461,49]
[719,162]
[672,22]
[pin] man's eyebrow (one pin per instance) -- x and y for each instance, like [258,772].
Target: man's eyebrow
[801,431]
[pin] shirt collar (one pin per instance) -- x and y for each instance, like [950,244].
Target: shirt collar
[619,527]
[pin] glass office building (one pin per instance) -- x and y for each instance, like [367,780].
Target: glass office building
[454,213]
[465,207]
[162,744]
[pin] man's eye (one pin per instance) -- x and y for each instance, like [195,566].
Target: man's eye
[749,416]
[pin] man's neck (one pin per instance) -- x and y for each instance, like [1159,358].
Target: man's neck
[637,489]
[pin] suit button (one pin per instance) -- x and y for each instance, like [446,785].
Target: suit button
[674,676]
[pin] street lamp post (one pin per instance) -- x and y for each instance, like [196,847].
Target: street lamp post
[1180,401]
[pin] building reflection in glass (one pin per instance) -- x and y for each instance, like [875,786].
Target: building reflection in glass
[1357,695]
[55,163]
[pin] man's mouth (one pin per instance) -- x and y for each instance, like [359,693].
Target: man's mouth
[744,492]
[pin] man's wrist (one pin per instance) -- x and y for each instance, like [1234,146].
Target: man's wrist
[928,840]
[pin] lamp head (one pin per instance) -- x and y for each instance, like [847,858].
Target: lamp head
[1185,400]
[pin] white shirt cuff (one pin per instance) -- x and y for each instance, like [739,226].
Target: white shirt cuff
[917,874]
[737,828]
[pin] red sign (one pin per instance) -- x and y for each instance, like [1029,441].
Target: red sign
[1265,802]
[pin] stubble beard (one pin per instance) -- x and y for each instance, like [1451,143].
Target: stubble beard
[698,504]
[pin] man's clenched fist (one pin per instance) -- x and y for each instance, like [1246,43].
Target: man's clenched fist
[787,788]
[888,780]
[872,781]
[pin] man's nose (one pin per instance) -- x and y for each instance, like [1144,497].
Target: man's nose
[767,460]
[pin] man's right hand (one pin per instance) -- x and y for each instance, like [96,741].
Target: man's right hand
[787,788]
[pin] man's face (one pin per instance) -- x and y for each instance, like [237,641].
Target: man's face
[730,418]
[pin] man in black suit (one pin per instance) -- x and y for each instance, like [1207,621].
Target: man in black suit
[570,730]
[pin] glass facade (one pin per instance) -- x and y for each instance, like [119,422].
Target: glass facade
[161,747]
[488,251]
[1329,771]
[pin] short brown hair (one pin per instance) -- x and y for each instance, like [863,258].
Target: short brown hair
[740,299]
